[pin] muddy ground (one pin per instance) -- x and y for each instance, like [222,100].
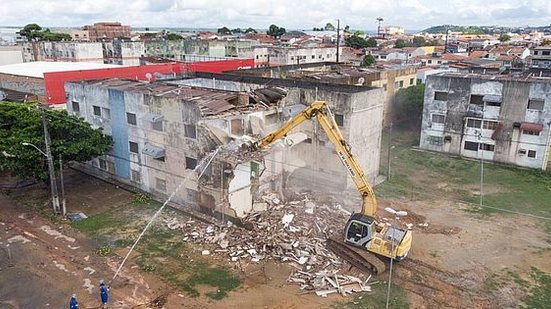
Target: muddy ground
[459,259]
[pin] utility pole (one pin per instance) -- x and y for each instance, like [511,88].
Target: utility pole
[63,200]
[338,37]
[389,150]
[446,44]
[53,185]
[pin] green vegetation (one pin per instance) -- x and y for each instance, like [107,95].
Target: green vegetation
[368,61]
[417,41]
[35,32]
[462,29]
[429,175]
[409,106]
[356,41]
[224,31]
[504,37]
[540,293]
[97,224]
[174,37]
[71,137]
[377,298]
[400,43]
[275,31]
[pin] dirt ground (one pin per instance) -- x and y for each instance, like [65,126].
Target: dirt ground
[454,254]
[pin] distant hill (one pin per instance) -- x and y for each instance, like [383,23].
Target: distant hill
[462,29]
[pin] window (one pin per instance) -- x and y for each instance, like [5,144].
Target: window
[486,147]
[401,83]
[490,103]
[471,146]
[440,96]
[133,147]
[438,118]
[102,164]
[489,125]
[545,53]
[535,104]
[530,132]
[313,57]
[105,113]
[411,81]
[292,58]
[76,107]
[308,140]
[191,163]
[157,125]
[97,111]
[477,99]
[160,184]
[110,166]
[384,87]
[474,123]
[136,176]
[436,140]
[339,119]
[131,118]
[531,154]
[190,130]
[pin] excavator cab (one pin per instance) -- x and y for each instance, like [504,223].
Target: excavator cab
[359,230]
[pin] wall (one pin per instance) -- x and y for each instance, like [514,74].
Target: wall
[27,84]
[11,55]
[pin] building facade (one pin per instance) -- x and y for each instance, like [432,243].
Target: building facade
[541,57]
[497,118]
[107,31]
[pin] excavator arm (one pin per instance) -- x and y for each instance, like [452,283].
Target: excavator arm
[320,110]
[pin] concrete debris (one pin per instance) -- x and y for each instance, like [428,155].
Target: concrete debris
[205,252]
[173,224]
[288,218]
[18,238]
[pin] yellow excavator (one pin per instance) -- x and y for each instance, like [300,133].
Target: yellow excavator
[362,230]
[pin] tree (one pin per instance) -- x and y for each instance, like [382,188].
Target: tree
[347,29]
[371,42]
[400,43]
[329,27]
[275,31]
[368,60]
[224,31]
[419,41]
[33,32]
[250,30]
[408,106]
[236,30]
[504,38]
[174,37]
[30,31]
[71,137]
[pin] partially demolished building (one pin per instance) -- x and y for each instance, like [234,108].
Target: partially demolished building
[162,130]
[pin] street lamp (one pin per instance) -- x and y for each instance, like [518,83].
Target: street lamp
[397,214]
[53,184]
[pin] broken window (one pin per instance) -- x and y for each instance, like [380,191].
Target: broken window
[474,123]
[535,104]
[471,146]
[531,154]
[436,140]
[531,132]
[191,163]
[136,176]
[411,81]
[76,107]
[190,130]
[401,83]
[440,96]
[486,147]
[160,184]
[477,99]
[133,146]
[237,127]
[97,111]
[438,118]
[339,119]
[489,125]
[131,118]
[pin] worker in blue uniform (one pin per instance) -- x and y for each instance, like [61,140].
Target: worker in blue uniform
[103,292]
[73,303]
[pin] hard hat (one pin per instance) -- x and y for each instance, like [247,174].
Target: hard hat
[74,295]
[101,281]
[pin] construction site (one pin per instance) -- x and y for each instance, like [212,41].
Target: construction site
[230,190]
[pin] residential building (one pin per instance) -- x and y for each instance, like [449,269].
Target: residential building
[401,54]
[80,35]
[70,51]
[281,55]
[123,53]
[541,57]
[107,31]
[492,117]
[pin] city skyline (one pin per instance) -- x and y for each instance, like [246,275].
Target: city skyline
[411,14]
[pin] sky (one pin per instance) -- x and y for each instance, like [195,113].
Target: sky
[291,14]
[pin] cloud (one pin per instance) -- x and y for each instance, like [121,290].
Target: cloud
[291,14]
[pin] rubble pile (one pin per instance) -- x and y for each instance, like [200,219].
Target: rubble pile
[292,232]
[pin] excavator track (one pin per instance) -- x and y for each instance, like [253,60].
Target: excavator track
[357,257]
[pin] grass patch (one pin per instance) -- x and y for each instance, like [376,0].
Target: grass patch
[540,293]
[96,224]
[216,277]
[377,299]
